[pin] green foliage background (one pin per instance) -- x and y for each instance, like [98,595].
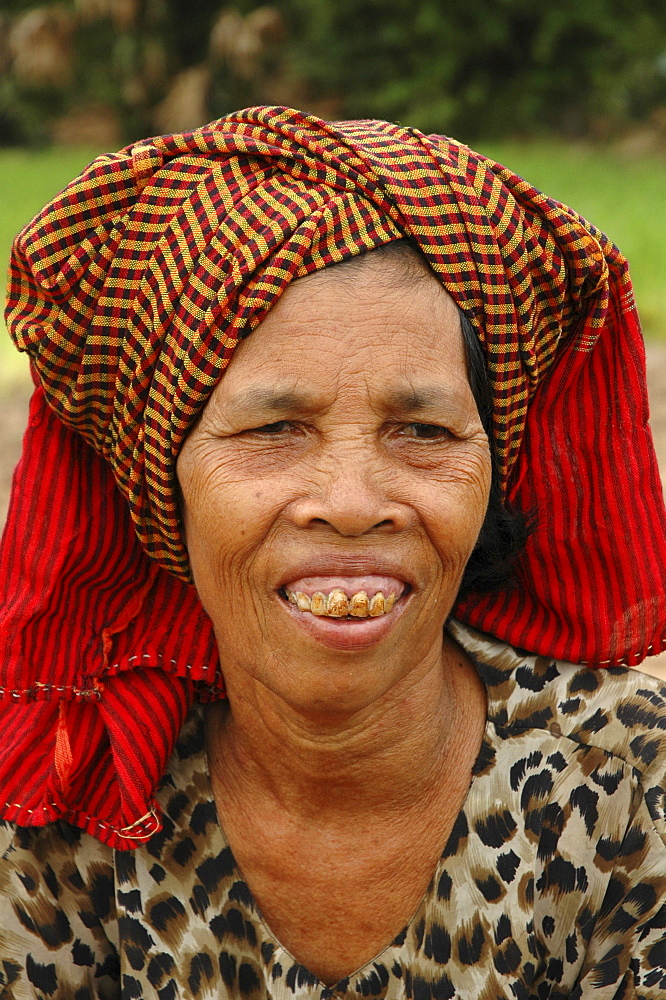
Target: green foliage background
[467,67]
[486,67]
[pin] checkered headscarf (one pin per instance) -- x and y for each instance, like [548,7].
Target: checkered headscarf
[130,291]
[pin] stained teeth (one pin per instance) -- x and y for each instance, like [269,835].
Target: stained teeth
[377,605]
[318,604]
[338,605]
[358,605]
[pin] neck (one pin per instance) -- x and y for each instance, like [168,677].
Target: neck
[387,757]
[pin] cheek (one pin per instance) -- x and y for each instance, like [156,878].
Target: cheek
[457,508]
[225,522]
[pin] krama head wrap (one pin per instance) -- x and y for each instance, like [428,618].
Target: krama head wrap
[130,292]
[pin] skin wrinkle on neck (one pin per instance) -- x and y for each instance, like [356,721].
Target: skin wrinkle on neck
[375,761]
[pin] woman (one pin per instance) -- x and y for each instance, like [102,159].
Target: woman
[387,802]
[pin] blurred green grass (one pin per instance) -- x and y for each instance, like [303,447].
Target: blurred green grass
[625,196]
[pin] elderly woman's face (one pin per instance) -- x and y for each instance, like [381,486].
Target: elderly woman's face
[341,457]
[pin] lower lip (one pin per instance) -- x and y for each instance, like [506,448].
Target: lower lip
[339,633]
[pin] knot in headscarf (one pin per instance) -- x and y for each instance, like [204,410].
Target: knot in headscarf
[131,290]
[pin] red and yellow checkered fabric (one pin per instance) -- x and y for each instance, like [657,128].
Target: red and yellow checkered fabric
[131,290]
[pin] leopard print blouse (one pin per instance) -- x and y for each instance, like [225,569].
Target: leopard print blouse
[552,884]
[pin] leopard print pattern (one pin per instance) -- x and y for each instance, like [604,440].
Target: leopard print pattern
[552,884]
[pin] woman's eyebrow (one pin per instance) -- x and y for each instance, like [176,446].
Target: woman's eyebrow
[398,400]
[272,400]
[415,400]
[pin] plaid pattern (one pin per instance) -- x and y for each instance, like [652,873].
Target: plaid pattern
[131,290]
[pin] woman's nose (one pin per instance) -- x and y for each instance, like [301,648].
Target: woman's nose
[353,496]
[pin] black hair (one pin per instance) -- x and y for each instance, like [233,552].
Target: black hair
[505,530]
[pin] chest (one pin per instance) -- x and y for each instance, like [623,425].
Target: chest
[337,894]
[187,916]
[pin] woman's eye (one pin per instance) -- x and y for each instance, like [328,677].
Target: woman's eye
[278,427]
[426,432]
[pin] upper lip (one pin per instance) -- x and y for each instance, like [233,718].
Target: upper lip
[348,564]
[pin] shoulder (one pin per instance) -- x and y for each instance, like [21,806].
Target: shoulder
[56,867]
[619,711]
[57,912]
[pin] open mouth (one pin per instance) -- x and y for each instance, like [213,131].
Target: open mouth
[345,600]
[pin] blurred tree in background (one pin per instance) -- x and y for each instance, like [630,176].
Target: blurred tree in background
[100,71]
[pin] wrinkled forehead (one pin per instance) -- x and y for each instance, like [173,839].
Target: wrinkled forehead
[379,328]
